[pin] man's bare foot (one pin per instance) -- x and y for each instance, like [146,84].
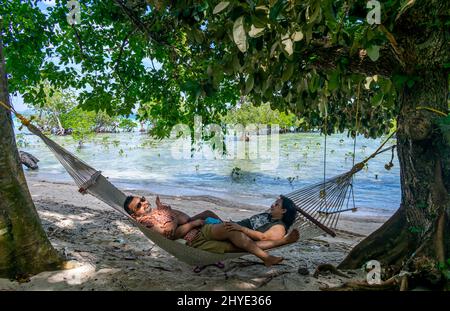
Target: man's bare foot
[292,237]
[272,260]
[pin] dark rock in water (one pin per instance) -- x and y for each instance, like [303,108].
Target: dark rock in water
[28,160]
[303,269]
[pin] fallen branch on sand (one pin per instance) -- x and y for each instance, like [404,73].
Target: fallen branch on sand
[397,282]
[328,268]
[271,277]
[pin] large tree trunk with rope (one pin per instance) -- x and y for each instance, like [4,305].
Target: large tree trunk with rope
[416,237]
[24,247]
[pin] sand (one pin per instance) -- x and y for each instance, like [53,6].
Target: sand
[109,253]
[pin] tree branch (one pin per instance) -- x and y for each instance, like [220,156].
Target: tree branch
[80,44]
[398,51]
[329,57]
[139,24]
[119,57]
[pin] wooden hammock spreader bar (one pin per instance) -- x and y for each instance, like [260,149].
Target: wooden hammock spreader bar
[335,212]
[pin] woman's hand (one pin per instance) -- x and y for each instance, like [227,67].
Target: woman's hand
[230,226]
[198,222]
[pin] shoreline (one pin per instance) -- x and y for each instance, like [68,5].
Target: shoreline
[214,197]
[109,253]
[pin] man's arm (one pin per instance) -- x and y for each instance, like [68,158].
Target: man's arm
[182,230]
[182,218]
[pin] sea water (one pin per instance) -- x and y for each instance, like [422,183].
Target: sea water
[137,161]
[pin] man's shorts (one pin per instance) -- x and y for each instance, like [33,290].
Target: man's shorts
[204,242]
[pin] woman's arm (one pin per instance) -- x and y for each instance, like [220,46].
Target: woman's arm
[182,230]
[276,232]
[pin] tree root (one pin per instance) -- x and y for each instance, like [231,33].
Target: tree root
[329,268]
[440,248]
[270,278]
[404,284]
[390,284]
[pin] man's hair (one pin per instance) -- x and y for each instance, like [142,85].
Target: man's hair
[291,211]
[126,204]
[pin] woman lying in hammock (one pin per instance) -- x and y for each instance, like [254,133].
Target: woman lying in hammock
[254,235]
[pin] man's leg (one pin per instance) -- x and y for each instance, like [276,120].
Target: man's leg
[240,240]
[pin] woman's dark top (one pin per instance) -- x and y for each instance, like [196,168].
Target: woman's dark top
[260,222]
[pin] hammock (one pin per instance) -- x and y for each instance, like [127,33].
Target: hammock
[318,206]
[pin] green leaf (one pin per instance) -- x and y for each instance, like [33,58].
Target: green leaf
[377,99]
[255,32]
[410,83]
[220,7]
[239,36]
[287,44]
[323,106]
[236,63]
[258,22]
[399,80]
[198,35]
[276,9]
[316,10]
[297,36]
[333,81]
[373,52]
[313,84]
[447,274]
[273,49]
[385,85]
[249,84]
[287,73]
[261,17]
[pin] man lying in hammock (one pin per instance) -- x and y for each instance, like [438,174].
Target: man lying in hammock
[170,223]
[254,235]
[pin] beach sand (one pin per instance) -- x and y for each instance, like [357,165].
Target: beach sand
[109,253]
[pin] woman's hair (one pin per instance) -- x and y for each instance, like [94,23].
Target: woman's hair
[126,204]
[291,212]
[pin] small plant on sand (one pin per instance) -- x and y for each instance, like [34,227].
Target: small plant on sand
[236,173]
[21,141]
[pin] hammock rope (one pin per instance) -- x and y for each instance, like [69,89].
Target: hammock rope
[314,218]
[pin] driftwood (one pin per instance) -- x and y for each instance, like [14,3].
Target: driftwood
[328,268]
[28,160]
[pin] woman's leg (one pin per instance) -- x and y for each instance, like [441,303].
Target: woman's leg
[240,240]
[288,239]
[265,245]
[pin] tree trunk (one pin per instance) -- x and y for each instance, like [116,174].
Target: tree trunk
[24,247]
[420,228]
[61,130]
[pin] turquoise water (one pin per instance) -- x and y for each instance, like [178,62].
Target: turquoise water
[137,161]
